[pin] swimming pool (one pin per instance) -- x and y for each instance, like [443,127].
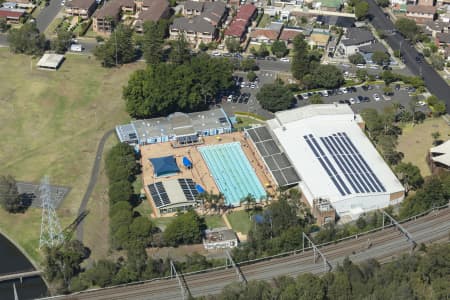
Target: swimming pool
[232,172]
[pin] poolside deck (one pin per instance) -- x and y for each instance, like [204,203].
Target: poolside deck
[200,172]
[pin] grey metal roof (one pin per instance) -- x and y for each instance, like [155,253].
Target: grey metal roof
[357,36]
[373,47]
[195,24]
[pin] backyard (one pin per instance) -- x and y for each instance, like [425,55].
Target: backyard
[51,123]
[240,221]
[416,140]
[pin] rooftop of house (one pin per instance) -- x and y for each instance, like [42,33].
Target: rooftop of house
[112,8]
[372,48]
[288,34]
[195,24]
[345,22]
[422,9]
[154,10]
[443,38]
[82,4]
[237,28]
[263,32]
[11,12]
[246,12]
[437,25]
[357,36]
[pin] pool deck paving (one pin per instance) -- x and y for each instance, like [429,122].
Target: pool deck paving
[199,171]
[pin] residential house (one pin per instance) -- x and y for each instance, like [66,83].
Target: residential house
[81,8]
[138,11]
[201,22]
[438,26]
[368,50]
[353,39]
[288,34]
[266,35]
[240,23]
[421,13]
[23,3]
[273,11]
[319,38]
[344,22]
[328,5]
[443,39]
[12,15]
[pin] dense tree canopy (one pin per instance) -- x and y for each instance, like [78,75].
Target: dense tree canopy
[118,49]
[361,9]
[327,76]
[357,59]
[62,41]
[9,196]
[233,45]
[275,97]
[407,27]
[27,40]
[380,57]
[153,41]
[120,163]
[164,88]
[409,175]
[300,60]
[279,49]
[186,228]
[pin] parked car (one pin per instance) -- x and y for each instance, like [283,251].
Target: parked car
[76,48]
[360,98]
[397,87]
[361,66]
[251,56]
[227,54]
[344,90]
[284,59]
[376,97]
[216,53]
[352,100]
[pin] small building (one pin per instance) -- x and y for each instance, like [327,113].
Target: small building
[439,158]
[353,39]
[179,128]
[11,15]
[50,61]
[266,35]
[81,8]
[195,29]
[171,196]
[421,13]
[328,5]
[220,238]
[323,211]
[150,11]
[240,23]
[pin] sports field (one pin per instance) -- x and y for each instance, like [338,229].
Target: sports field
[50,124]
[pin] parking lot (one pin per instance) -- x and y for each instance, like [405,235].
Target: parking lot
[401,96]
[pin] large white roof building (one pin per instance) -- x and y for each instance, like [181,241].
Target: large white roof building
[335,160]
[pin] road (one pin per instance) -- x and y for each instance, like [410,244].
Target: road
[92,181]
[434,82]
[382,245]
[47,15]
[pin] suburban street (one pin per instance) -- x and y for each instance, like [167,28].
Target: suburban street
[47,15]
[433,81]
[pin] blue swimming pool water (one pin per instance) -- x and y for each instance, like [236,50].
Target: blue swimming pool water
[232,172]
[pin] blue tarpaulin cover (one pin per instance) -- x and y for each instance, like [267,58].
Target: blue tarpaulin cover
[164,166]
[186,162]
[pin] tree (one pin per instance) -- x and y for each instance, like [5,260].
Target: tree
[141,229]
[327,76]
[275,97]
[437,61]
[435,135]
[409,175]
[356,59]
[233,45]
[437,106]
[27,40]
[153,41]
[279,49]
[300,61]
[120,191]
[426,52]
[120,163]
[407,27]
[4,26]
[186,228]
[263,51]
[9,196]
[251,76]
[202,46]
[315,99]
[383,3]
[248,64]
[388,90]
[166,88]
[118,49]
[361,10]
[361,74]
[62,41]
[102,272]
[380,58]
[179,53]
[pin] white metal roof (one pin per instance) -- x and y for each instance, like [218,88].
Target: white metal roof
[50,60]
[294,127]
[442,153]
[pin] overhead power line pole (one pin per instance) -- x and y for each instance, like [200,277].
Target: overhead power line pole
[326,264]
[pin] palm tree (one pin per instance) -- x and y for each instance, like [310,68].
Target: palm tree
[250,203]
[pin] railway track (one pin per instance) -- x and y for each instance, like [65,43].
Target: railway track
[381,245]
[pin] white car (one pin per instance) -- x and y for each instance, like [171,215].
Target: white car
[360,66]
[374,67]
[325,93]
[285,59]
[420,103]
[305,96]
[376,97]
[352,100]
[216,53]
[344,90]
[230,98]
[243,84]
[252,86]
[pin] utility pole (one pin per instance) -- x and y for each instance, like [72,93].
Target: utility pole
[51,233]
[115,39]
[400,227]
[326,264]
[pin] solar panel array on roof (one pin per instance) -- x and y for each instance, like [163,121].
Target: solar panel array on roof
[350,162]
[278,163]
[189,189]
[159,194]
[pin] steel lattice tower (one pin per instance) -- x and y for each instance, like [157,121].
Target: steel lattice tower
[51,234]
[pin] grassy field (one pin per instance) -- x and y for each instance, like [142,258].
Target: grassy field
[214,221]
[240,221]
[415,141]
[246,122]
[50,123]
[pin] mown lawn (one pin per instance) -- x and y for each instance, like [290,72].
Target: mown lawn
[416,141]
[240,221]
[214,222]
[50,124]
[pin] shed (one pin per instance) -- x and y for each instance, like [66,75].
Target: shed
[50,61]
[164,166]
